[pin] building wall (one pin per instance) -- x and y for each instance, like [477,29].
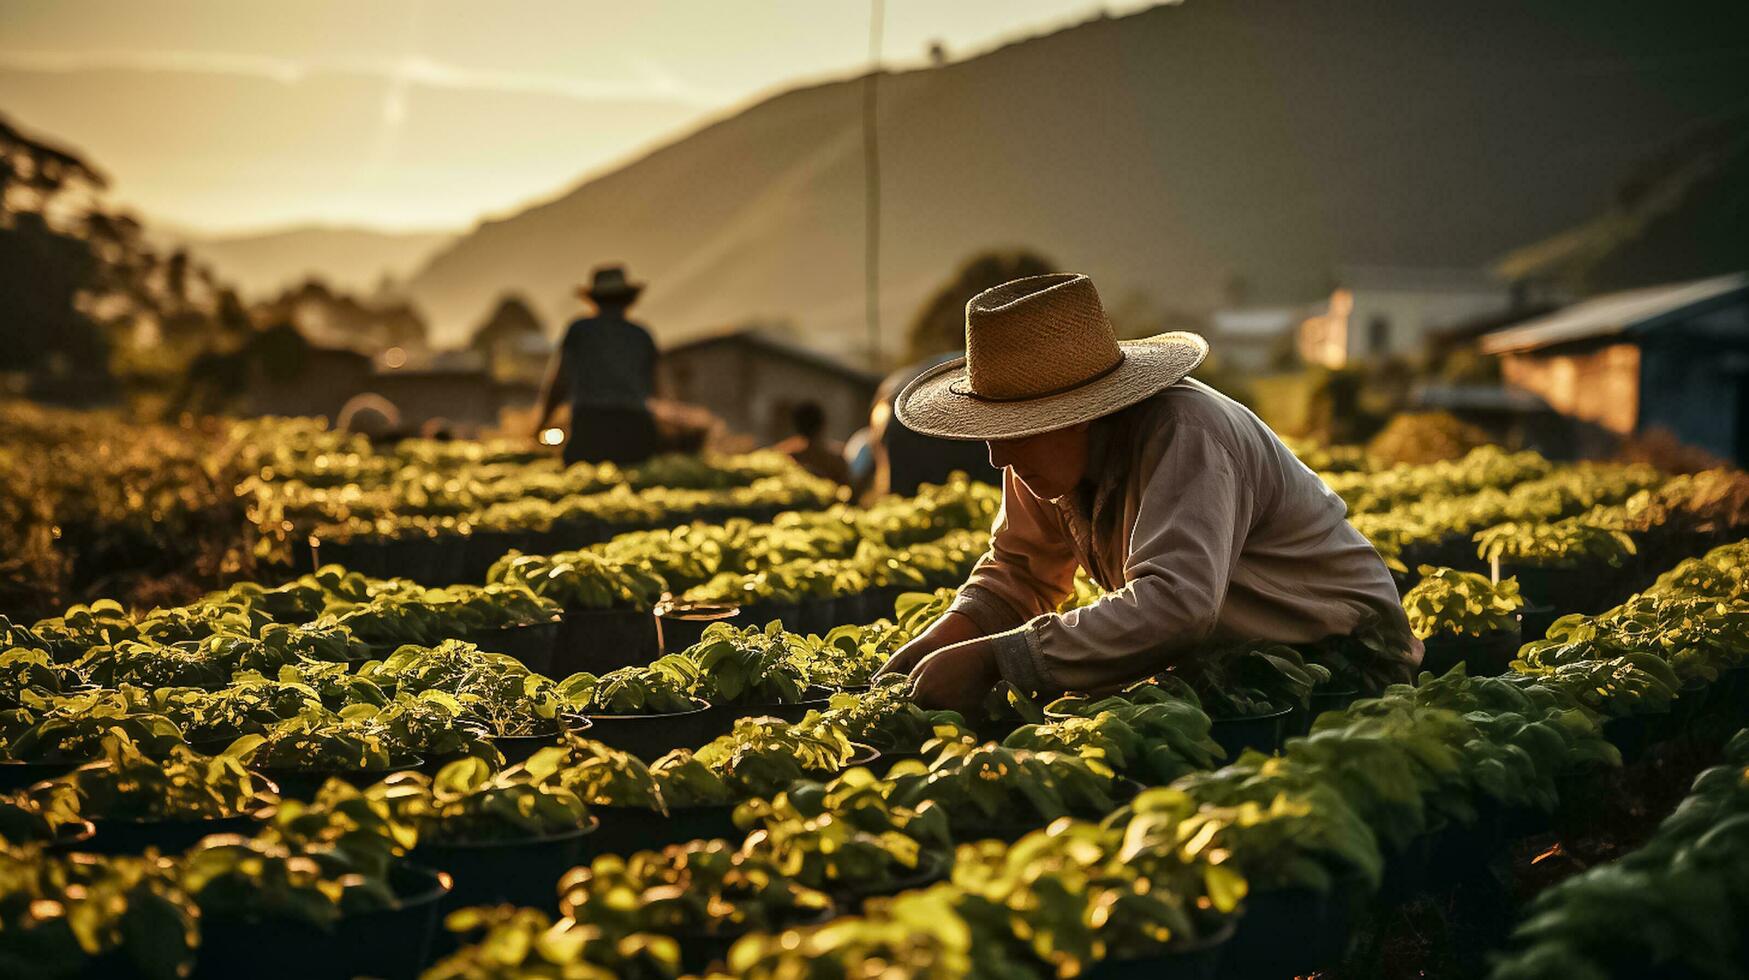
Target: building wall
[1599,386]
[1386,322]
[328,379]
[753,390]
[1699,391]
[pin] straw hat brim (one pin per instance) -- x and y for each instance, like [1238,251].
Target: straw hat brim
[934,404]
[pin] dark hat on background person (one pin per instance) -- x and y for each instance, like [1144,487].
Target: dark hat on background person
[609,282]
[1042,355]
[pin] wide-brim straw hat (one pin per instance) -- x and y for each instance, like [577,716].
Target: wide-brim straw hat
[610,282]
[1042,355]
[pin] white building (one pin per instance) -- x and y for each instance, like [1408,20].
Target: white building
[1249,339]
[1376,312]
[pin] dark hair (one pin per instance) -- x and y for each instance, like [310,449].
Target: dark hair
[808,418]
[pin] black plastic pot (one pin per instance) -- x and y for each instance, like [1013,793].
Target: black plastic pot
[600,640]
[1283,932]
[813,615]
[1731,693]
[862,755]
[391,943]
[1691,700]
[361,555]
[520,872]
[1552,592]
[1488,655]
[1631,735]
[851,610]
[1322,701]
[120,836]
[480,550]
[683,626]
[757,614]
[71,836]
[413,558]
[814,698]
[1196,960]
[701,951]
[303,783]
[17,774]
[1261,732]
[517,748]
[649,737]
[1406,871]
[931,868]
[627,829]
[531,645]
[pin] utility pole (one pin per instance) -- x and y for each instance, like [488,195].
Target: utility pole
[871,156]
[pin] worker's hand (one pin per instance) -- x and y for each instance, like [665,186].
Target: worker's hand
[946,631]
[957,677]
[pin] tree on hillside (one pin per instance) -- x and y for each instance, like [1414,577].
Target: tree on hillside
[43,268]
[327,315]
[941,325]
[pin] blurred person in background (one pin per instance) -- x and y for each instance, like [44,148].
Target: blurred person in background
[1199,524]
[905,459]
[810,448]
[605,368]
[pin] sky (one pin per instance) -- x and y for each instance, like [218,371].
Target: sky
[244,115]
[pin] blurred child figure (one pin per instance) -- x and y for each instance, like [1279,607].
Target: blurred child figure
[818,455]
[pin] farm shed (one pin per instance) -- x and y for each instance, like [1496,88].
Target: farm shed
[1672,357]
[752,380]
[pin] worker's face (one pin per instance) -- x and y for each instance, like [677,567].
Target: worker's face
[1050,464]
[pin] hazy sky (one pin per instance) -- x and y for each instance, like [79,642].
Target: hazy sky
[244,114]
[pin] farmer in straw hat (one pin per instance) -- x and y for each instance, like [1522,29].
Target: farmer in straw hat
[1176,499]
[606,366]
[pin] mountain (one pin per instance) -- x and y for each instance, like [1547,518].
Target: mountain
[1169,153]
[352,259]
[1680,215]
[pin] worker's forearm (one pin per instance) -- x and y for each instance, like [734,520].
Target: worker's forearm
[954,627]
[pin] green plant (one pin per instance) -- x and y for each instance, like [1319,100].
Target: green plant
[654,689]
[245,878]
[597,774]
[1155,743]
[989,787]
[1563,544]
[81,915]
[320,740]
[72,727]
[31,669]
[191,663]
[38,815]
[845,834]
[127,785]
[697,888]
[1248,679]
[495,690]
[1074,895]
[757,758]
[467,803]
[1447,601]
[518,943]
[750,666]
[252,704]
[581,580]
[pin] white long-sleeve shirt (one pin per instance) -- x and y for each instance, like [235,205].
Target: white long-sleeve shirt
[1202,525]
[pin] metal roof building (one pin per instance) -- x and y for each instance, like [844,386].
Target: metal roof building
[1673,357]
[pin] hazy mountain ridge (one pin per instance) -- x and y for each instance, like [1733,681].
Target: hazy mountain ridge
[1170,152]
[353,259]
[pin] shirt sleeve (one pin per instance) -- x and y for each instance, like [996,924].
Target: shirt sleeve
[1191,524]
[1029,569]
